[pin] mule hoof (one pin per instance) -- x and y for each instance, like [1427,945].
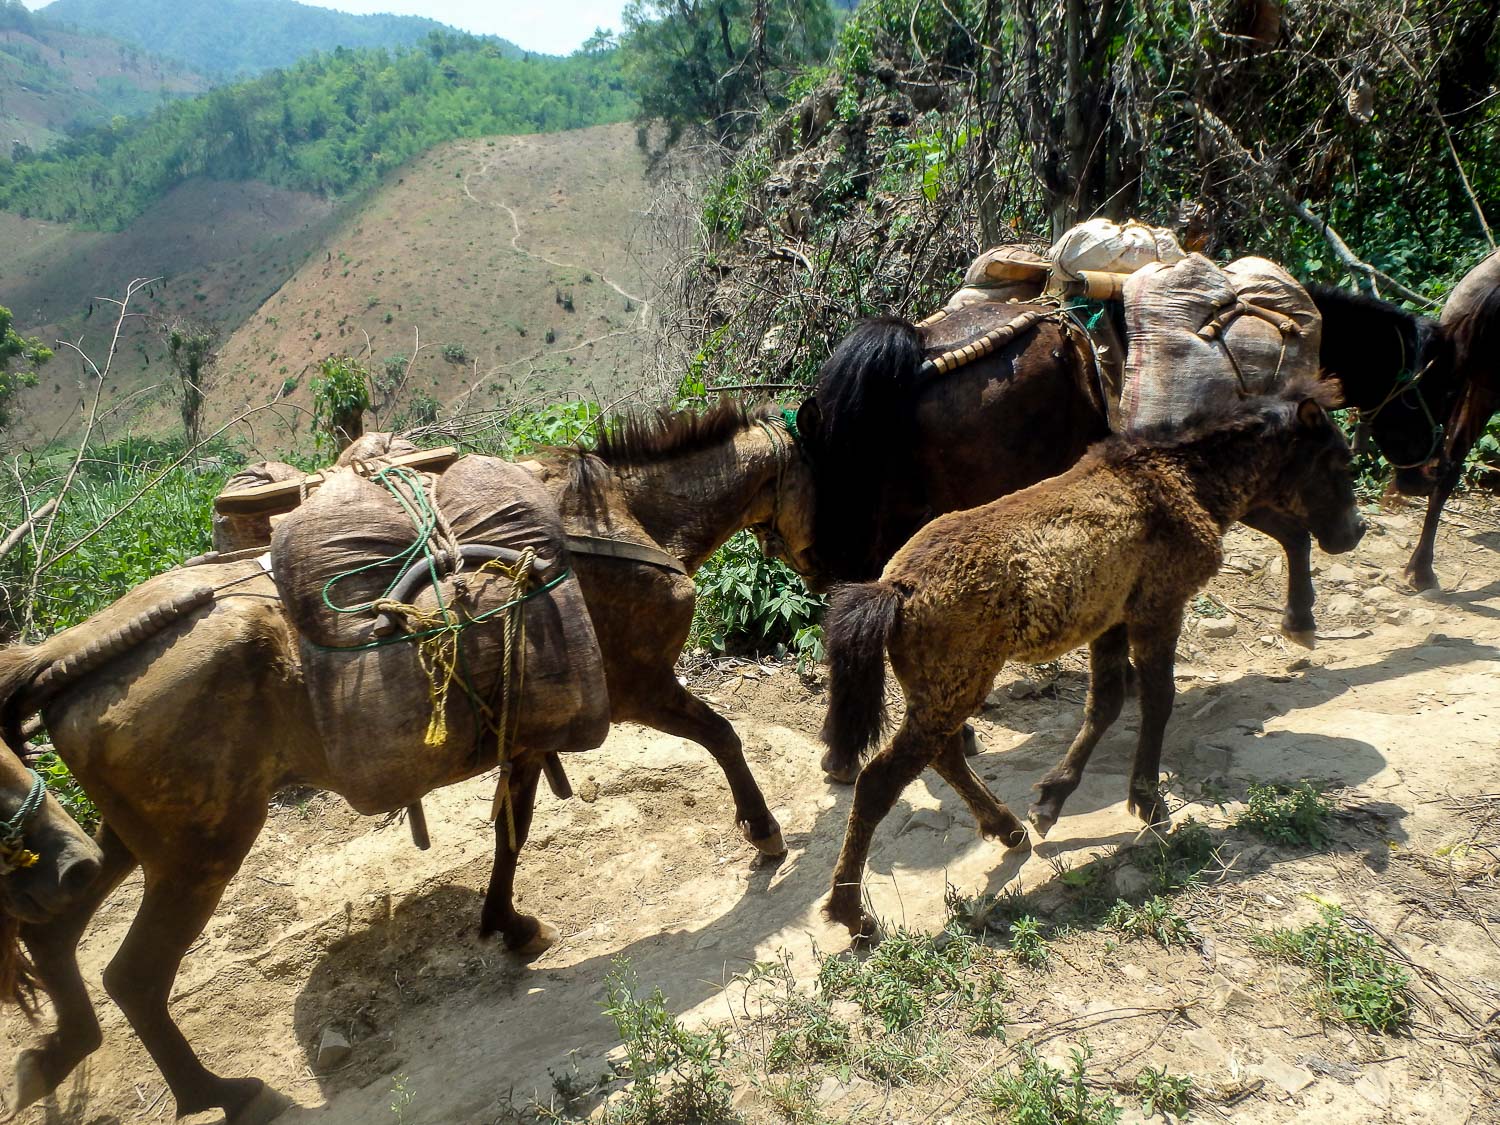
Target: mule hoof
[1041,821]
[1017,839]
[31,1083]
[1151,810]
[265,1106]
[1307,638]
[543,938]
[1423,578]
[844,910]
[972,746]
[837,769]
[772,846]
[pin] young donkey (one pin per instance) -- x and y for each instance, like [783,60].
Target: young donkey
[1108,554]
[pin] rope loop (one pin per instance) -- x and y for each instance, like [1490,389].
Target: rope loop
[14,855]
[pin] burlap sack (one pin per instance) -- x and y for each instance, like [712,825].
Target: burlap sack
[372,446]
[373,707]
[1006,273]
[1105,246]
[241,532]
[1202,338]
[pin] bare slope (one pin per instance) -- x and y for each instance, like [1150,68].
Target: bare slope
[512,262]
[220,248]
[51,78]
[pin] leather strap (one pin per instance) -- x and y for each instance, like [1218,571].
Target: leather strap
[621,549]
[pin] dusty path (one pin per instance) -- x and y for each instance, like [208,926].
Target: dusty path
[337,922]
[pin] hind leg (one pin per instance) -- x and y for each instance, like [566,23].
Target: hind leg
[53,946]
[996,822]
[521,932]
[1109,668]
[880,783]
[1155,651]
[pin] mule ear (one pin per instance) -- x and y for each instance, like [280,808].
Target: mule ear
[810,420]
[1310,414]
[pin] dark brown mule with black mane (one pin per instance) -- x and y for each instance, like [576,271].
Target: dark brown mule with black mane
[892,448]
[1106,554]
[182,731]
[1428,389]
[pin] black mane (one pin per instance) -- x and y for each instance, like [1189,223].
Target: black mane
[1369,343]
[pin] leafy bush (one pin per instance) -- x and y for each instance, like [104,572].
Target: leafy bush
[1154,918]
[1037,1093]
[455,353]
[1027,942]
[750,603]
[1292,815]
[341,395]
[1163,1093]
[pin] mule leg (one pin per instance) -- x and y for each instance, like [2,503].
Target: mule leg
[882,780]
[996,822]
[53,946]
[521,932]
[1297,621]
[669,707]
[181,895]
[1154,651]
[1109,665]
[1474,413]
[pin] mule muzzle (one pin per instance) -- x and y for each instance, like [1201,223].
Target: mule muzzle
[1345,537]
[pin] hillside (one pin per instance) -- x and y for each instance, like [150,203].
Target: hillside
[239,38]
[54,79]
[332,124]
[288,279]
[515,262]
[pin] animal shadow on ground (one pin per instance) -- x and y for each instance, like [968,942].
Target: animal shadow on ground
[1226,746]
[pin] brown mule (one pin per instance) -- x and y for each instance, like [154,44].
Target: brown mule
[182,732]
[1106,555]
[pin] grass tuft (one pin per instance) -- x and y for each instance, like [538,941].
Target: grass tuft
[1037,1093]
[1027,943]
[1155,918]
[1352,978]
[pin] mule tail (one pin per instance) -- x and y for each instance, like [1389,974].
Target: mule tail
[1476,337]
[19,666]
[857,629]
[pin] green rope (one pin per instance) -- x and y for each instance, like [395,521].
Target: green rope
[11,830]
[789,417]
[402,638]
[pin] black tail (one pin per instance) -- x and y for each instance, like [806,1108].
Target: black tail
[866,397]
[856,629]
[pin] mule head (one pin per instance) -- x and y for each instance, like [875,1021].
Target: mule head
[46,860]
[783,522]
[1316,483]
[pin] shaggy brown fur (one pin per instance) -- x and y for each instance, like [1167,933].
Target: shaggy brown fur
[182,740]
[1107,555]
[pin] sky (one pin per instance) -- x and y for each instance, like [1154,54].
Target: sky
[554,27]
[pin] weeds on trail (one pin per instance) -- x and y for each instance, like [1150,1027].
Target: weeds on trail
[906,976]
[1037,1093]
[402,1096]
[1027,943]
[1292,815]
[1352,979]
[1175,861]
[1163,1093]
[1154,918]
[810,1034]
[676,1072]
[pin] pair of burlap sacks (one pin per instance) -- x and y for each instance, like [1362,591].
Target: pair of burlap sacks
[373,697]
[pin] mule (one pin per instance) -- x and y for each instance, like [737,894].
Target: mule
[892,448]
[1108,555]
[181,729]
[1432,389]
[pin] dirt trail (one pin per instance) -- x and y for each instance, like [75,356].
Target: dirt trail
[338,922]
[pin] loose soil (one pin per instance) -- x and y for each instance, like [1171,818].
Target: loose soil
[338,922]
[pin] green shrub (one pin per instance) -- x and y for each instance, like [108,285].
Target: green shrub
[1352,978]
[1037,1093]
[1293,815]
[750,603]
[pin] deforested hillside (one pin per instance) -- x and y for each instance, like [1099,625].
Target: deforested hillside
[56,79]
[485,272]
[238,38]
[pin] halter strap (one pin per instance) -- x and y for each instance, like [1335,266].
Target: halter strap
[10,830]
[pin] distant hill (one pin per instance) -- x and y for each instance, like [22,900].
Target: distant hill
[54,80]
[332,124]
[515,263]
[239,38]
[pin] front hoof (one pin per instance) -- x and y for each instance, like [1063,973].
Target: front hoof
[1422,578]
[972,746]
[1041,819]
[1305,635]
[843,909]
[1151,809]
[32,1084]
[768,842]
[530,937]
[264,1106]
[839,768]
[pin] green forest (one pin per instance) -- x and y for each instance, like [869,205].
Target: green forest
[240,38]
[331,124]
